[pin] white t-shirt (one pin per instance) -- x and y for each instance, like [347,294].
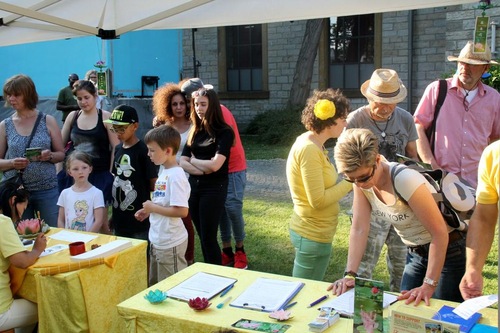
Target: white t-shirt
[79,207]
[406,224]
[171,189]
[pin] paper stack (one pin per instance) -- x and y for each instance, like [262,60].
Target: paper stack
[327,317]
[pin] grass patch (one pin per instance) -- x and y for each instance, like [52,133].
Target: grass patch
[256,150]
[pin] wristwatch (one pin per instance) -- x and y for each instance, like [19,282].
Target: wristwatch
[430,282]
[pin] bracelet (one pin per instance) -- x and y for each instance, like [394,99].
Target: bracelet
[430,282]
[350,275]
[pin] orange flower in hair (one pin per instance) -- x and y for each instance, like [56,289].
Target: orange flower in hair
[324,109]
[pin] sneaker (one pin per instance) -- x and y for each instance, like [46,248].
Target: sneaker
[227,260]
[240,260]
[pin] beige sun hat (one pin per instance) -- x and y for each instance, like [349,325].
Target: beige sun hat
[468,56]
[384,87]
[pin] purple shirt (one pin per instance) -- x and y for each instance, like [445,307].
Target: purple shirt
[461,136]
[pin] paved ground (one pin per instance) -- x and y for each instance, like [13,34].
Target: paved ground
[267,179]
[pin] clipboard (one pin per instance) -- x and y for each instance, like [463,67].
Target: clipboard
[267,294]
[200,285]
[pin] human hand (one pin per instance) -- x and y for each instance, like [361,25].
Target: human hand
[416,295]
[46,155]
[148,207]
[140,215]
[19,163]
[40,242]
[471,285]
[341,286]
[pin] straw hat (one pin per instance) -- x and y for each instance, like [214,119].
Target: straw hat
[384,87]
[468,56]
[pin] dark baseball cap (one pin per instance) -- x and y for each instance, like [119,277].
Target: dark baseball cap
[192,85]
[123,115]
[73,77]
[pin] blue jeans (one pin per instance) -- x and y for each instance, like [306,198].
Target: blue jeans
[232,217]
[453,270]
[311,258]
[45,202]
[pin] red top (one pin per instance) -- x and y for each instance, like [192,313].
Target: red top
[237,160]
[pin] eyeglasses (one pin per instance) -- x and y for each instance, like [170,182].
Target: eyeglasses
[119,129]
[199,93]
[362,180]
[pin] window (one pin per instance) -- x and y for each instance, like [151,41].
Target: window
[243,61]
[352,51]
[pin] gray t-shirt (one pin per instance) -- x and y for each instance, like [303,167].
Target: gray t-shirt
[399,130]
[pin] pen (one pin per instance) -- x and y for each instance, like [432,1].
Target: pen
[289,305]
[221,304]
[319,300]
[222,294]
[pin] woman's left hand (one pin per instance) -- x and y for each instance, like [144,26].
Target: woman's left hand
[45,156]
[422,293]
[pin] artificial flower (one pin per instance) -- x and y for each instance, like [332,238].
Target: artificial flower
[280,315]
[29,227]
[324,109]
[199,303]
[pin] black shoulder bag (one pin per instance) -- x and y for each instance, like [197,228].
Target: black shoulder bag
[431,130]
[18,177]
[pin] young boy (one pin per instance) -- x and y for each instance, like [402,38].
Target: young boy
[135,175]
[169,205]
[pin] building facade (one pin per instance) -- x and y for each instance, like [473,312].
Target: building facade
[252,67]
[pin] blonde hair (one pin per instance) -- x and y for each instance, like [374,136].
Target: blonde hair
[355,148]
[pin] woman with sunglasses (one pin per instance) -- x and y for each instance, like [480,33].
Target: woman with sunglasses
[206,158]
[312,180]
[87,132]
[15,313]
[435,260]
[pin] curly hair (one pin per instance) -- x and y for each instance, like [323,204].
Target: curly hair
[355,148]
[162,102]
[313,123]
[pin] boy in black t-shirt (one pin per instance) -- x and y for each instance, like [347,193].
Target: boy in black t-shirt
[135,175]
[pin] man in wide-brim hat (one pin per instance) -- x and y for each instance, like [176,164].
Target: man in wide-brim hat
[396,133]
[469,118]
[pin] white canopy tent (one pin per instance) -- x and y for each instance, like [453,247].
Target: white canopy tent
[25,21]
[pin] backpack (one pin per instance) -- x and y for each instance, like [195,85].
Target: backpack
[454,197]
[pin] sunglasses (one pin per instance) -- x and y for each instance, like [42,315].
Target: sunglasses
[200,92]
[119,129]
[361,180]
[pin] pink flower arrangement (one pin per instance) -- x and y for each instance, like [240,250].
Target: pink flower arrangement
[198,303]
[280,315]
[29,227]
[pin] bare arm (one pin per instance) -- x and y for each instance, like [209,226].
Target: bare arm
[425,209]
[171,211]
[56,154]
[66,108]
[61,218]
[27,258]
[66,130]
[424,147]
[185,163]
[99,218]
[479,240]
[411,150]
[358,237]
[209,166]
[113,139]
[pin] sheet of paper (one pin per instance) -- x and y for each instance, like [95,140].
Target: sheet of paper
[345,302]
[70,236]
[53,249]
[467,308]
[104,250]
[267,294]
[200,285]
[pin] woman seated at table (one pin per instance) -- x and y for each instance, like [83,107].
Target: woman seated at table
[15,313]
[434,265]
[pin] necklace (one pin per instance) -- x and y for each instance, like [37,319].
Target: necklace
[382,131]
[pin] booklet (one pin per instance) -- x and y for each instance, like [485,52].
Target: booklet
[446,314]
[368,306]
[203,285]
[344,303]
[267,294]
